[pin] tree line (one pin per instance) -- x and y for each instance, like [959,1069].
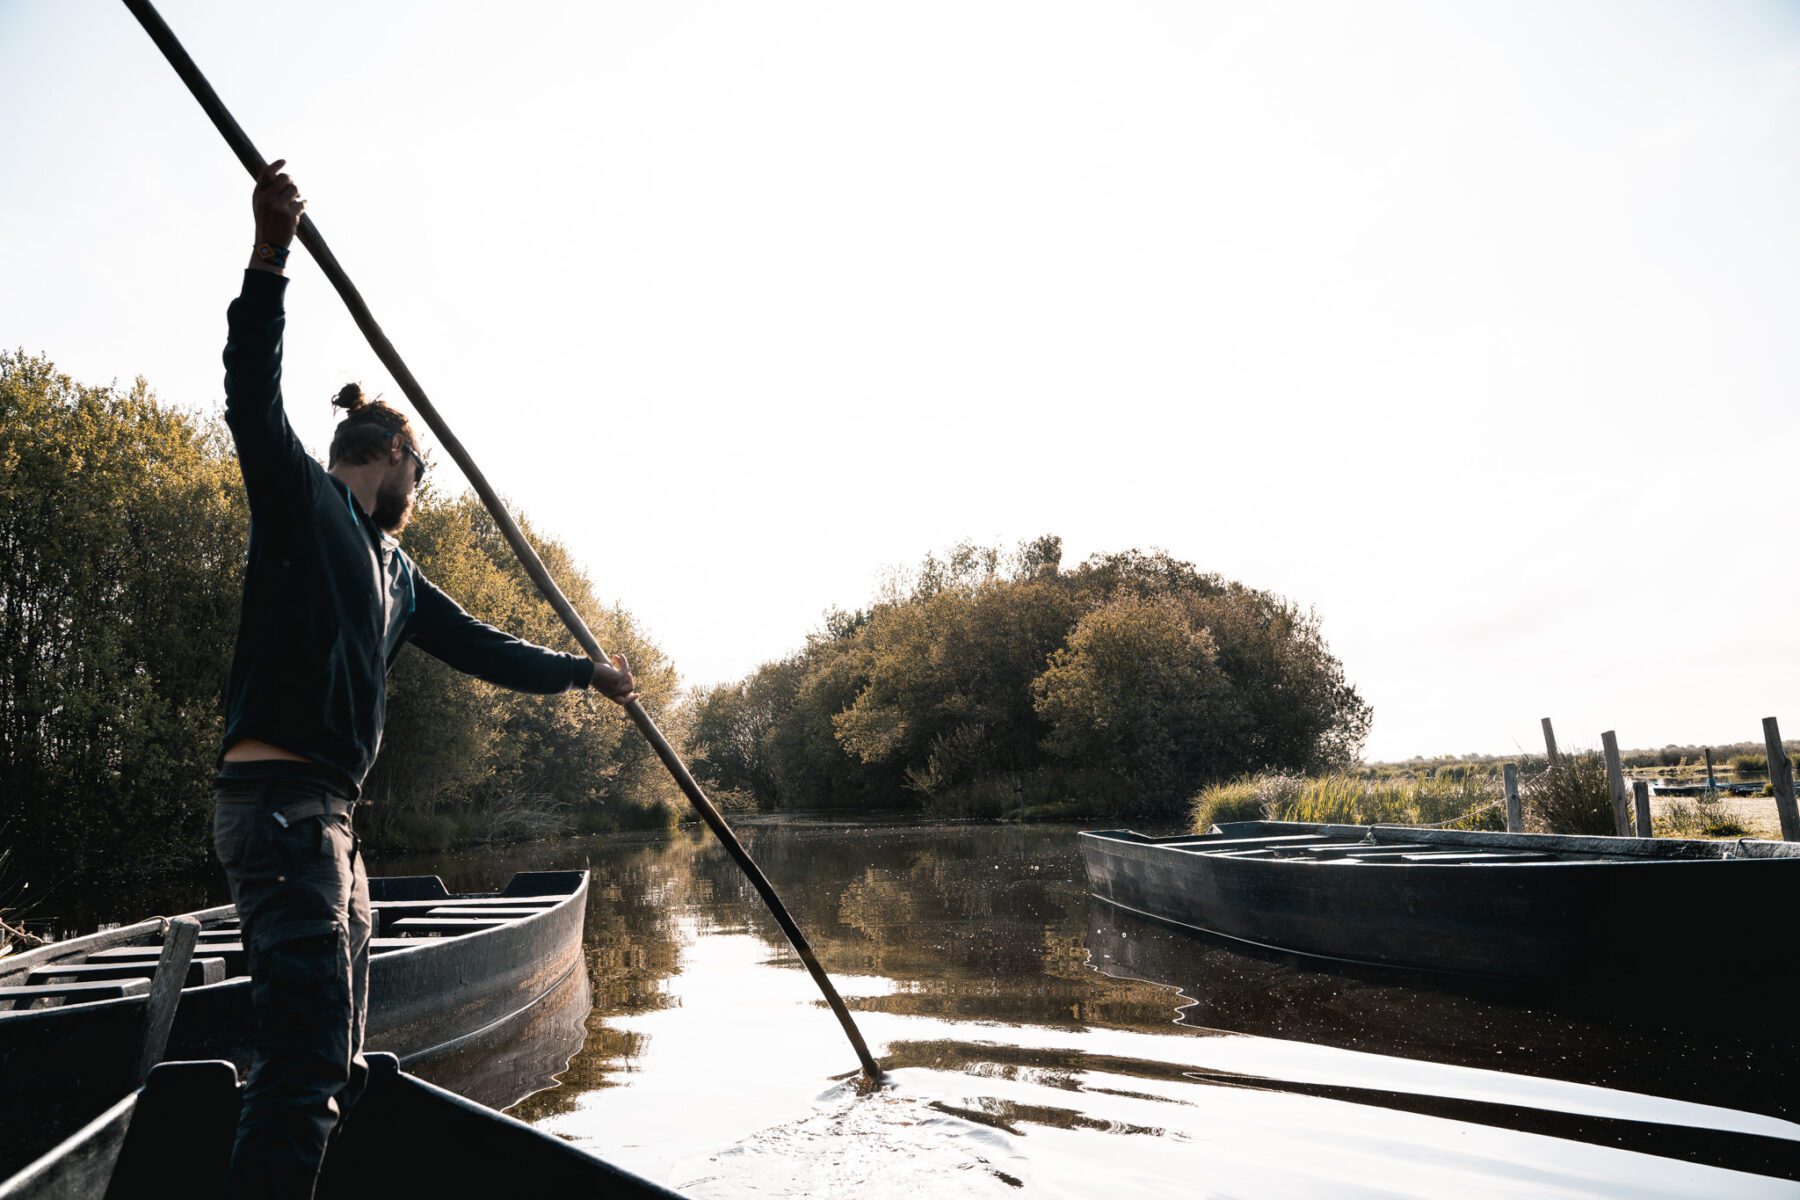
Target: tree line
[123,528]
[984,682]
[995,682]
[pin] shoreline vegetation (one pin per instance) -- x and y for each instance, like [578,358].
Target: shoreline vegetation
[1467,793]
[988,682]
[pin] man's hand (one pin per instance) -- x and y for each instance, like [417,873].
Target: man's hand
[615,682]
[277,205]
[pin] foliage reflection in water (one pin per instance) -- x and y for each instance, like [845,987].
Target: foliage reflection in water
[1038,1042]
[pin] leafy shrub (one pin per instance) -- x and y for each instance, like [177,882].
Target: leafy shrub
[1750,764]
[1571,797]
[421,832]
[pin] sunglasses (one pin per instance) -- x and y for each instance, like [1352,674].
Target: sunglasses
[419,463]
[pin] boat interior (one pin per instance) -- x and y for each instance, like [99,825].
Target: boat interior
[120,963]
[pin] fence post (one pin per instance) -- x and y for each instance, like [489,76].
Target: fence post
[1781,778]
[1615,778]
[1515,809]
[1640,794]
[1550,743]
[1712,788]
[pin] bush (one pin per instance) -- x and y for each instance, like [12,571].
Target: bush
[422,832]
[1571,797]
[1250,798]
[1703,817]
[1750,764]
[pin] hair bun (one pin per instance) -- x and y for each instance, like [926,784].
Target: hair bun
[350,398]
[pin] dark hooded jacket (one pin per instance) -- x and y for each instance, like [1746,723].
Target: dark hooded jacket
[329,599]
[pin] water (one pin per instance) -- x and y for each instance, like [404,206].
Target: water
[1038,1043]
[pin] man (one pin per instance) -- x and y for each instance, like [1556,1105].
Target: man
[329,600]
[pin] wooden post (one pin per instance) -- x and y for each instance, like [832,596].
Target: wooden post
[1550,744]
[1781,777]
[1615,778]
[1640,793]
[165,991]
[1712,789]
[1515,809]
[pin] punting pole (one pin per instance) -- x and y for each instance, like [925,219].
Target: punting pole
[390,358]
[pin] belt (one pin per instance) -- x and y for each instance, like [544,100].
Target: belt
[299,810]
[287,814]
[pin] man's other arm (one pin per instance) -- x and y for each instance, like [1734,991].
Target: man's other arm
[443,630]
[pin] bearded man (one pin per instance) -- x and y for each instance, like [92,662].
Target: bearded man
[330,600]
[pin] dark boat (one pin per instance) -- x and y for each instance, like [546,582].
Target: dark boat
[404,1137]
[1538,908]
[444,972]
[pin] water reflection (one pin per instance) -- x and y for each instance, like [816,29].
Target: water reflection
[1039,1043]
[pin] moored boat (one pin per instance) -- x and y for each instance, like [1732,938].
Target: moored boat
[173,1137]
[443,969]
[1543,908]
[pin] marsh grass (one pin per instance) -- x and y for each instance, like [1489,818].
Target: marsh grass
[1704,816]
[1570,797]
[1465,800]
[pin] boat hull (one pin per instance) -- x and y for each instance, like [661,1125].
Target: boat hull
[404,1137]
[1596,913]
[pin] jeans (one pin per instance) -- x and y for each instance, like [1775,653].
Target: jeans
[303,906]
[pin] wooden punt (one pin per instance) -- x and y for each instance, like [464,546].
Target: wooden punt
[443,969]
[404,1137]
[1542,908]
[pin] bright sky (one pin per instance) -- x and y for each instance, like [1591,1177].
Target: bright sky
[1471,325]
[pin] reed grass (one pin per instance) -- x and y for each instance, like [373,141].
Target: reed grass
[1465,800]
[1571,797]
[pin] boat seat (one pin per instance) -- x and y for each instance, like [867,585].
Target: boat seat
[200,971]
[491,914]
[1227,844]
[535,903]
[1362,849]
[443,926]
[1453,856]
[71,993]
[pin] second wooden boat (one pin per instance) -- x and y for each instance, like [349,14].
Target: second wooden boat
[1520,906]
[443,969]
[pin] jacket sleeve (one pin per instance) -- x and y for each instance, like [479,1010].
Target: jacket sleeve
[443,630]
[280,477]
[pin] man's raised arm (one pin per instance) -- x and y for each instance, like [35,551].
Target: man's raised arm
[279,475]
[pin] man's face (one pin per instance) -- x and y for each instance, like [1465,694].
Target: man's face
[394,498]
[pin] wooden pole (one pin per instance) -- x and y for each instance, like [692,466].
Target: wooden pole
[1712,788]
[1615,778]
[1640,794]
[1550,744]
[165,991]
[1515,809]
[1781,778]
[528,558]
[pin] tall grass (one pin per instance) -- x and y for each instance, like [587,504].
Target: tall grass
[1465,800]
[1705,816]
[1571,797]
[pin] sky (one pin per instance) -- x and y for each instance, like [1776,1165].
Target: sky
[1470,326]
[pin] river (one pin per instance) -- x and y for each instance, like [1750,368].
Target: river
[1040,1043]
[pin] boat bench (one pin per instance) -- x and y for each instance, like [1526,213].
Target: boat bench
[200,971]
[71,993]
[535,902]
[442,926]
